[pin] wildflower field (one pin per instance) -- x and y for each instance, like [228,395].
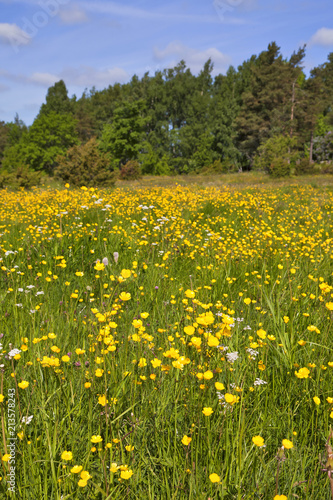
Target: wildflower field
[166,343]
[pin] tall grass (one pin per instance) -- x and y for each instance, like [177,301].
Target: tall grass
[157,368]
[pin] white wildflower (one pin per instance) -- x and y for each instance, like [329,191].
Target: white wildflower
[232,356]
[13,352]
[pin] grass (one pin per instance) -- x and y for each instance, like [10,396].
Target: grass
[208,325]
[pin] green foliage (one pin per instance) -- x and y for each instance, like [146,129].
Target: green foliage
[304,167]
[57,100]
[10,134]
[124,136]
[85,165]
[322,126]
[131,171]
[276,148]
[162,167]
[267,103]
[14,157]
[280,168]
[22,177]
[189,121]
[220,167]
[323,147]
[152,163]
[202,154]
[49,136]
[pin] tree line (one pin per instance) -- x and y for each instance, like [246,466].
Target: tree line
[265,114]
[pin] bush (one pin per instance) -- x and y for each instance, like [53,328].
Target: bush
[303,167]
[85,165]
[219,167]
[280,168]
[130,171]
[151,163]
[22,177]
[325,168]
[276,151]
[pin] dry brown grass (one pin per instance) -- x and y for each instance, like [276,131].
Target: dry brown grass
[235,180]
[242,180]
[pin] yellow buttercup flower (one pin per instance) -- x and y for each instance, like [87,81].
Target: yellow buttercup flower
[302,373]
[189,330]
[208,375]
[102,400]
[96,439]
[99,266]
[261,333]
[214,478]
[125,296]
[186,440]
[287,444]
[207,411]
[85,475]
[23,385]
[126,474]
[76,469]
[126,273]
[213,341]
[258,441]
[156,362]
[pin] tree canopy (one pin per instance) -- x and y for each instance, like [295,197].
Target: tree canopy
[174,121]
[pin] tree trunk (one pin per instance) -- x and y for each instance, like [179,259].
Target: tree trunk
[311,147]
[292,109]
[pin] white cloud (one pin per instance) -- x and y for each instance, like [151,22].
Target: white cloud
[45,79]
[73,15]
[83,76]
[86,76]
[324,36]
[195,59]
[3,87]
[11,34]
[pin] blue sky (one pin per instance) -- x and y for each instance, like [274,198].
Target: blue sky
[98,42]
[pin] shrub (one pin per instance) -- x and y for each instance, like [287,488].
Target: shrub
[85,165]
[303,167]
[218,167]
[276,151]
[324,168]
[152,163]
[22,177]
[280,168]
[130,171]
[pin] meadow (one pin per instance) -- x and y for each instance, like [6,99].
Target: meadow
[167,342]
